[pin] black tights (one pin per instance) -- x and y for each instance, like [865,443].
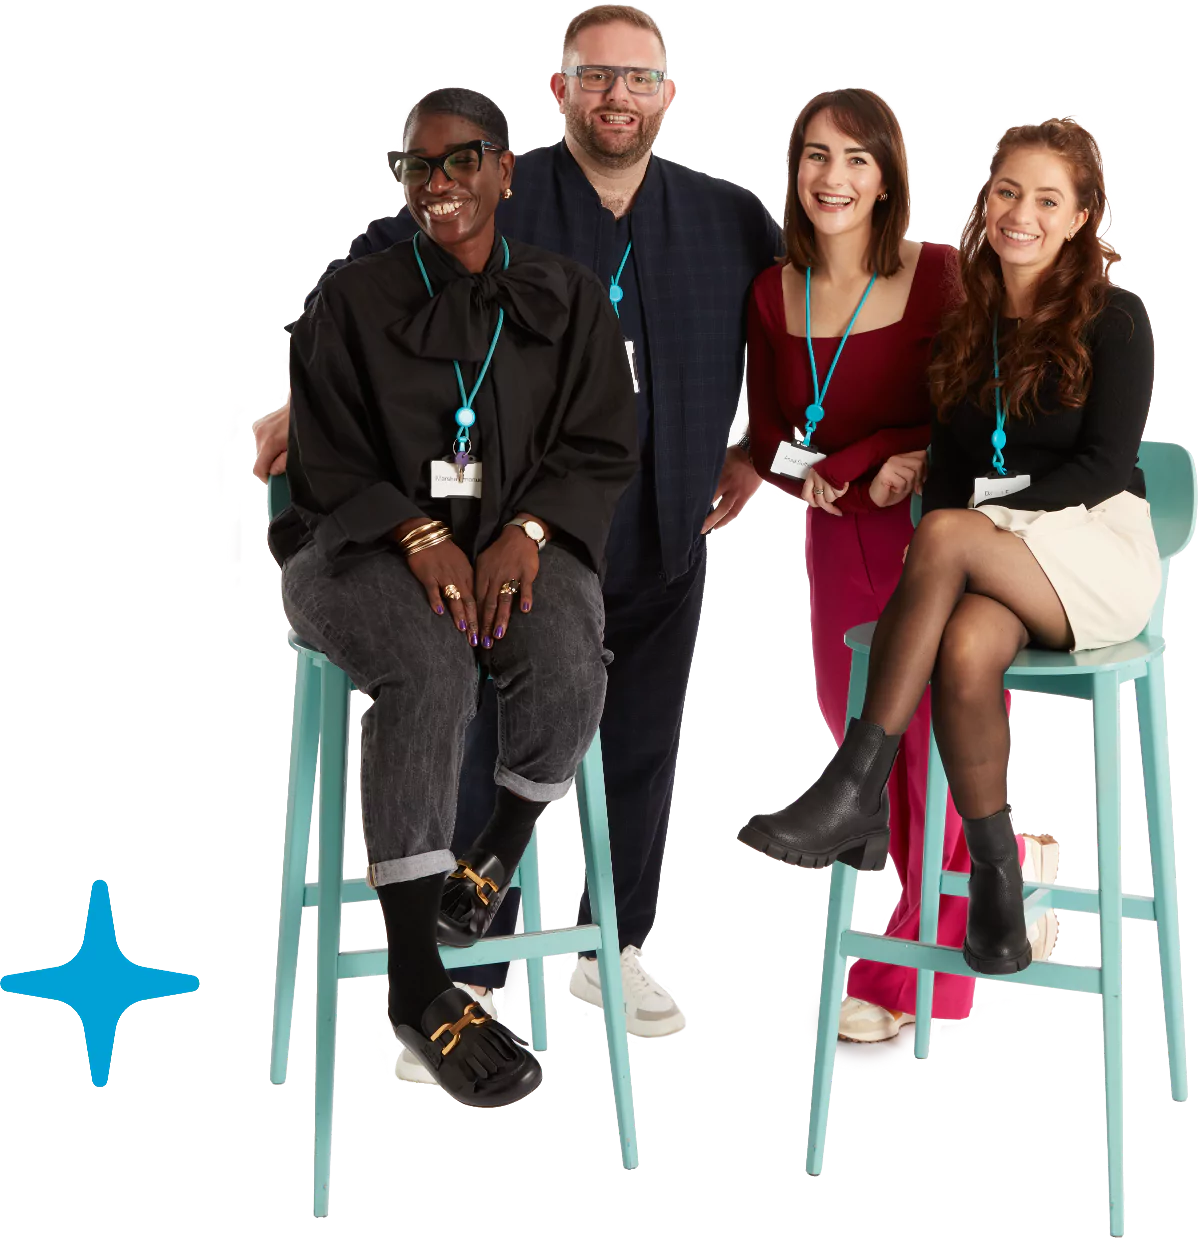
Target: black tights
[970,598]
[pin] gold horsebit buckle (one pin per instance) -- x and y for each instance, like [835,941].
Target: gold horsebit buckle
[465,873]
[456,1029]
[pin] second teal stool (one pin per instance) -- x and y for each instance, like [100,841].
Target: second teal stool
[1096,676]
[320,728]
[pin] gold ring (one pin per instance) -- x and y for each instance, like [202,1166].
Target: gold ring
[509,588]
[452,592]
[818,490]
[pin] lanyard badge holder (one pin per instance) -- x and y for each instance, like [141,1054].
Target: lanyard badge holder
[616,295]
[461,476]
[999,483]
[795,459]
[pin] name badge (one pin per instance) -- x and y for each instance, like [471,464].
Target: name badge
[444,483]
[631,352]
[996,487]
[791,460]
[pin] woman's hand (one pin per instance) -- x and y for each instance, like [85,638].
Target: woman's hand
[898,478]
[439,566]
[512,556]
[819,493]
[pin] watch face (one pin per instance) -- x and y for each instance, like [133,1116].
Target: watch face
[534,530]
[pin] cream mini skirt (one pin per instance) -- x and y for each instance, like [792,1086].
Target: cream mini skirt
[1102,561]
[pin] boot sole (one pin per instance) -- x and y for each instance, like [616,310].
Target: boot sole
[867,855]
[997,967]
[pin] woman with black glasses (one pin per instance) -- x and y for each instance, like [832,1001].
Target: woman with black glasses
[462,427]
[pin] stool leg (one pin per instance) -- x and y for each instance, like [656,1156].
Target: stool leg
[840,912]
[301,778]
[335,708]
[1106,712]
[1155,761]
[935,802]
[597,852]
[530,910]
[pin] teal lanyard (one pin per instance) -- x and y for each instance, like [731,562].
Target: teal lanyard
[815,411]
[465,416]
[616,292]
[999,438]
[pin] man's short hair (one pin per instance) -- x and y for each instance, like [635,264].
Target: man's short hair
[471,106]
[607,15]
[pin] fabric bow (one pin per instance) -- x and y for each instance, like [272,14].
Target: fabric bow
[459,321]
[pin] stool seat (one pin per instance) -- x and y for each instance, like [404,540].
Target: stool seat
[1030,662]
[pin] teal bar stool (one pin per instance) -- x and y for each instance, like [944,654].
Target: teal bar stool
[320,728]
[1095,676]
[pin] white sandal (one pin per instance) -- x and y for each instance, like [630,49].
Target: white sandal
[865,1023]
[1041,855]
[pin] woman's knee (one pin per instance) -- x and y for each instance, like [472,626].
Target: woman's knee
[976,648]
[941,535]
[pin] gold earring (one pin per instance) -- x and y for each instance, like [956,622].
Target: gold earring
[882,197]
[506,194]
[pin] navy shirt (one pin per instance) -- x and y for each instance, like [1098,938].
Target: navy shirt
[698,244]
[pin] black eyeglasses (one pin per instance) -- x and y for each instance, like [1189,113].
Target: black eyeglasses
[457,164]
[600,77]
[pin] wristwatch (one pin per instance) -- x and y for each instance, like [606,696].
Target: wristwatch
[532,529]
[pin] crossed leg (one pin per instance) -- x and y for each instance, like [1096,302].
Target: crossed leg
[954,556]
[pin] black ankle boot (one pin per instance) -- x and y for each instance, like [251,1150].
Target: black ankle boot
[996,935]
[843,815]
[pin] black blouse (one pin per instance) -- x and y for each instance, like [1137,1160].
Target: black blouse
[374,395]
[1074,456]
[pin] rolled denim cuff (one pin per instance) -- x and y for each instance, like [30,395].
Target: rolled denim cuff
[538,792]
[409,868]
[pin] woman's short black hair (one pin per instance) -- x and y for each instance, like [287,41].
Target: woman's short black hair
[469,105]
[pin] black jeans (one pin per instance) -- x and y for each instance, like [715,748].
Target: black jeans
[650,629]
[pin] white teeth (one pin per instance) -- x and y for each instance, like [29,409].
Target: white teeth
[617,119]
[833,200]
[444,208]
[1017,236]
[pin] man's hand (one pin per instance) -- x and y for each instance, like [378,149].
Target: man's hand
[270,442]
[898,477]
[737,485]
[817,492]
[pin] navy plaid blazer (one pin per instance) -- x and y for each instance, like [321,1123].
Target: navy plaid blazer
[699,242]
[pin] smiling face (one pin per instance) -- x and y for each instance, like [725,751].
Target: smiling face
[838,182]
[455,213]
[614,127]
[1032,209]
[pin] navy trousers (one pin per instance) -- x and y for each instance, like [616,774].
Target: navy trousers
[650,628]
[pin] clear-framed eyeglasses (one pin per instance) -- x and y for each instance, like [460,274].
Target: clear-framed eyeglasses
[458,164]
[600,77]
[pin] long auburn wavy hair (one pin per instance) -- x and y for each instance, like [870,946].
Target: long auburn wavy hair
[1069,297]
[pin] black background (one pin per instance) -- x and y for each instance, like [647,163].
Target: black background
[281,165]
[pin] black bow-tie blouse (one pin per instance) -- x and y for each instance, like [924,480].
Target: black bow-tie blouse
[373,397]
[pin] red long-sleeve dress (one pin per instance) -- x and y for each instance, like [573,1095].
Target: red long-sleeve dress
[877,406]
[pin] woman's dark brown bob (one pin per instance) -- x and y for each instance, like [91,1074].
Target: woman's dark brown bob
[870,122]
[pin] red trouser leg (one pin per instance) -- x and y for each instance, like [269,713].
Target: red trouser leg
[854,563]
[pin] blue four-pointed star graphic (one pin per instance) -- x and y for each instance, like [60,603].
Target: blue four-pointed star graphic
[99,983]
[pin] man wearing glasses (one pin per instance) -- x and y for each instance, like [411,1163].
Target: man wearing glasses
[677,251]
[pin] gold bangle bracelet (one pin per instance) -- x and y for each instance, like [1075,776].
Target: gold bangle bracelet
[415,535]
[434,539]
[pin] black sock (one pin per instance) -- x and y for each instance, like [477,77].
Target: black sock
[415,975]
[508,832]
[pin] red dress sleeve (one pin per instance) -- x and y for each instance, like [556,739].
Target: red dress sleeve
[768,425]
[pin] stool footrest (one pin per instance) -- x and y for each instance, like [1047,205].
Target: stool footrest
[1063,898]
[490,950]
[355,890]
[949,960]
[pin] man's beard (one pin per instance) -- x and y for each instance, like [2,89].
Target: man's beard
[616,155]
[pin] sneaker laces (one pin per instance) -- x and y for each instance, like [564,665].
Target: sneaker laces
[636,977]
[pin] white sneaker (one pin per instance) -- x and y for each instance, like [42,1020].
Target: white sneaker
[865,1023]
[410,1068]
[648,1009]
[1041,853]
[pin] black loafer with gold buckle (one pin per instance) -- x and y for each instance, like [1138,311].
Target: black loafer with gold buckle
[477,1060]
[472,895]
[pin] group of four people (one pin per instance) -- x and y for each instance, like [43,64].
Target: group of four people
[480,431]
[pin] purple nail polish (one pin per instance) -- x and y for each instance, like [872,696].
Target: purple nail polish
[474,640]
[486,642]
[525,607]
[441,610]
[461,625]
[499,632]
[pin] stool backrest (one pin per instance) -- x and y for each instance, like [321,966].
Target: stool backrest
[278,495]
[1170,486]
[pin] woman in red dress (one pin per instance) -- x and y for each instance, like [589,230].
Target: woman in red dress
[840,416]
